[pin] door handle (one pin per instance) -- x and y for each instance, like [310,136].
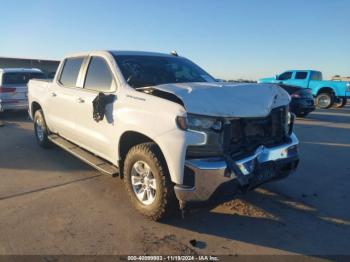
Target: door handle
[80,100]
[53,94]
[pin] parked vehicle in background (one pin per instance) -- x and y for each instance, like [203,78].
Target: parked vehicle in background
[51,75]
[326,93]
[13,87]
[302,102]
[174,134]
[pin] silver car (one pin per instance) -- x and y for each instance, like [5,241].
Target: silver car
[13,87]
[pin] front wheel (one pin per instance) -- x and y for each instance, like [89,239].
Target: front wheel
[324,100]
[41,130]
[341,102]
[147,181]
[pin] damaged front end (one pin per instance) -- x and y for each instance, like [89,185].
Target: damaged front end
[239,153]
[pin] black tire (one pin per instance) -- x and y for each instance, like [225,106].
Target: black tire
[2,123]
[324,100]
[164,200]
[301,114]
[41,137]
[340,103]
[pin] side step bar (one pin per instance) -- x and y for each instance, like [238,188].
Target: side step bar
[89,158]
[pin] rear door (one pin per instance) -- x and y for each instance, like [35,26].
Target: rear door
[62,98]
[97,137]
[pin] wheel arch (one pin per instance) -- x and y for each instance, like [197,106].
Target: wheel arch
[325,89]
[34,107]
[130,139]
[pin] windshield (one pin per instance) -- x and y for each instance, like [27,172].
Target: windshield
[21,78]
[142,71]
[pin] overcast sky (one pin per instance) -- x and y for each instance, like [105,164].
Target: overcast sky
[230,39]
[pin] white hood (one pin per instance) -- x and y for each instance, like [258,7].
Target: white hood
[228,100]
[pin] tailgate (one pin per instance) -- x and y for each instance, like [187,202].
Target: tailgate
[13,93]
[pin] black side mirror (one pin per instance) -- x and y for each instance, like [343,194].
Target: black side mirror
[99,105]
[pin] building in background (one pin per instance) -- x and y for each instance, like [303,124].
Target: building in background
[47,66]
[341,78]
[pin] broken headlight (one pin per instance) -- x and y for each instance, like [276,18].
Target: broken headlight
[211,126]
[199,123]
[290,123]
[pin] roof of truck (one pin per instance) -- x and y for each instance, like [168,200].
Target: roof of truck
[306,70]
[20,70]
[139,53]
[120,52]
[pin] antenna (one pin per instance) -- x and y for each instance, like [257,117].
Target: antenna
[174,53]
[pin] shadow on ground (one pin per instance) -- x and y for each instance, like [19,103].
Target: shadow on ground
[268,219]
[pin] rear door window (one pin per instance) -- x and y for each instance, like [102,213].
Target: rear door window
[20,78]
[99,76]
[285,76]
[71,71]
[316,76]
[301,75]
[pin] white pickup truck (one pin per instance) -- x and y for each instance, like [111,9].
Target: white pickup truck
[174,134]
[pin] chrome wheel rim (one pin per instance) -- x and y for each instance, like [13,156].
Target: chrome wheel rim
[324,101]
[39,128]
[143,183]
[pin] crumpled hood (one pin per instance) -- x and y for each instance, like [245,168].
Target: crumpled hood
[228,100]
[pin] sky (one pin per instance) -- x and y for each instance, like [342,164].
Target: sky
[230,39]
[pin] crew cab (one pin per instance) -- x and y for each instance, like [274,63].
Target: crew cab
[163,124]
[13,87]
[327,93]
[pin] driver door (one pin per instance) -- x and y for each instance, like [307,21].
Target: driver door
[285,78]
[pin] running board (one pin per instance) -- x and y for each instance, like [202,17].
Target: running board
[89,158]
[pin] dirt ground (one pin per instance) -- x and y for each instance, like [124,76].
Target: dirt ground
[52,203]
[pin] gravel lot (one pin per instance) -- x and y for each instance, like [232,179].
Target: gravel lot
[52,203]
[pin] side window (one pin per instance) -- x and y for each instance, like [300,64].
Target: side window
[285,76]
[301,75]
[70,71]
[316,76]
[98,76]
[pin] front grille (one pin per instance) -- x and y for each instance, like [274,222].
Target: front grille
[243,136]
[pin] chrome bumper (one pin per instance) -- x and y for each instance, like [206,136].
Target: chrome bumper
[212,172]
[4,105]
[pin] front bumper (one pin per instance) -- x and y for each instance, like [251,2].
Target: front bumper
[264,165]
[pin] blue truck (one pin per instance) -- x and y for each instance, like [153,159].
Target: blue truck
[327,93]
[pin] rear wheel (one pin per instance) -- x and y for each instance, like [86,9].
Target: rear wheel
[41,130]
[147,181]
[341,102]
[324,100]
